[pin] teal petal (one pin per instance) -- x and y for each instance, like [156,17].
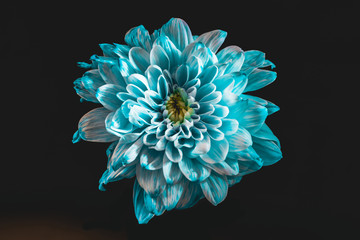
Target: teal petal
[162,87]
[159,57]
[229,126]
[139,81]
[204,91]
[220,111]
[240,140]
[106,95]
[205,109]
[119,124]
[217,152]
[110,72]
[208,75]
[182,75]
[150,139]
[142,214]
[154,204]
[76,137]
[171,171]
[202,146]
[92,80]
[240,82]
[193,170]
[195,66]
[229,167]
[213,40]
[152,181]
[108,50]
[154,99]
[151,159]
[211,121]
[265,133]
[139,116]
[135,91]
[170,49]
[92,126]
[215,134]
[232,180]
[253,117]
[259,78]
[206,56]
[173,154]
[191,194]
[248,160]
[234,58]
[125,154]
[153,73]
[138,37]
[271,107]
[178,32]
[171,195]
[212,98]
[254,59]
[215,188]
[82,92]
[139,58]
[268,150]
[189,50]
[122,51]
[126,68]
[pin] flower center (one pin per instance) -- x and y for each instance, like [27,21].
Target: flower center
[178,106]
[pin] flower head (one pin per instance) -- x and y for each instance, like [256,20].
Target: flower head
[178,116]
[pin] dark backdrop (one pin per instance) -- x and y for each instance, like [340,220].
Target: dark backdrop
[49,186]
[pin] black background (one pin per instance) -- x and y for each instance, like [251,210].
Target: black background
[49,186]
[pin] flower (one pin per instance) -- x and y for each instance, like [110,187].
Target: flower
[176,112]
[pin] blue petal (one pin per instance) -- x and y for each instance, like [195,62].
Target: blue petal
[82,92]
[196,134]
[152,181]
[162,87]
[232,180]
[151,159]
[220,111]
[150,139]
[92,126]
[154,99]
[259,78]
[92,80]
[195,66]
[253,117]
[108,50]
[268,150]
[190,49]
[118,123]
[171,51]
[139,116]
[110,72]
[205,109]
[125,153]
[139,58]
[152,73]
[138,37]
[212,98]
[215,134]
[271,107]
[154,204]
[227,167]
[159,57]
[174,154]
[213,39]
[223,82]
[121,50]
[254,59]
[126,68]
[106,95]
[208,75]
[171,171]
[248,160]
[240,140]
[205,90]
[202,146]
[240,83]
[215,188]
[234,58]
[142,214]
[171,195]
[138,80]
[191,195]
[217,153]
[182,75]
[178,31]
[193,169]
[211,121]
[229,126]
[135,90]
[265,133]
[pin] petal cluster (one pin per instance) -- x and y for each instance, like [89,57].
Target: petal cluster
[178,116]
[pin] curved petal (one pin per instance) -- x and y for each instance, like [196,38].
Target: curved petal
[259,78]
[202,146]
[182,75]
[110,72]
[271,107]
[248,160]
[152,181]
[229,126]
[171,195]
[125,154]
[195,66]
[217,152]
[229,167]
[190,49]
[268,150]
[240,140]
[208,75]
[174,154]
[106,95]
[178,31]
[119,123]
[151,159]
[215,188]
[205,90]
[142,214]
[212,98]
[139,58]
[170,49]
[191,195]
[193,170]
[138,37]
[126,68]
[159,57]
[215,134]
[211,121]
[213,39]
[171,171]
[154,204]
[253,117]
[153,73]
[234,58]
[162,87]
[92,126]
[220,111]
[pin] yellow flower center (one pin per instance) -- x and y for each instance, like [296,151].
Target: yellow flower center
[177,106]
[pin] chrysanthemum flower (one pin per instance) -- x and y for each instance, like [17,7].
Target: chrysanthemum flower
[176,112]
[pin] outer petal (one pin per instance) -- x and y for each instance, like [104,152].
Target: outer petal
[233,56]
[152,181]
[215,188]
[110,72]
[217,152]
[213,39]
[268,150]
[159,57]
[92,126]
[138,37]
[171,195]
[139,58]
[240,140]
[191,195]
[253,117]
[106,95]
[193,169]
[171,171]
[259,78]
[174,154]
[142,214]
[178,31]
[248,160]
[151,159]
